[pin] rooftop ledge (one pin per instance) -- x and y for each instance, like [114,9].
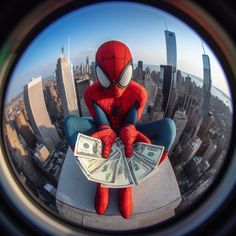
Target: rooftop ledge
[155,199]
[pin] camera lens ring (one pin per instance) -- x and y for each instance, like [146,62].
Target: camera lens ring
[10,185]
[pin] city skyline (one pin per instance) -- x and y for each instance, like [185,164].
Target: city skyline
[142,29]
[193,161]
[34,125]
[65,84]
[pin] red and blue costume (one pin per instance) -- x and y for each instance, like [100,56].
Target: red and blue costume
[116,104]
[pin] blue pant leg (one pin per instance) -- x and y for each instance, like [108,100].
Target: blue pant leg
[74,125]
[161,132]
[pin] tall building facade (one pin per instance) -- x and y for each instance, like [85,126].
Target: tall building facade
[206,96]
[206,124]
[171,49]
[66,86]
[180,119]
[210,151]
[190,149]
[206,82]
[171,53]
[139,74]
[15,143]
[140,67]
[150,87]
[171,104]
[81,84]
[25,130]
[38,115]
[166,76]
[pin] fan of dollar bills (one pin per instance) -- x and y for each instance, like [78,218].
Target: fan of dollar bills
[117,171]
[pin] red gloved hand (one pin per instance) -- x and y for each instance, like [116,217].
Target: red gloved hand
[107,136]
[129,135]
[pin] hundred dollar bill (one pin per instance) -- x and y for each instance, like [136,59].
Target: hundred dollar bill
[123,177]
[118,144]
[140,169]
[89,165]
[149,152]
[114,151]
[117,171]
[87,146]
[107,172]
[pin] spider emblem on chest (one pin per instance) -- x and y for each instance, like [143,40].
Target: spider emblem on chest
[116,110]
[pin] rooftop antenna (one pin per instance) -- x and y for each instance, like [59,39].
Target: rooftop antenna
[166,26]
[62,51]
[203,48]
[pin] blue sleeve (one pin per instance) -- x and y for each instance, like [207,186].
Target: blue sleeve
[132,115]
[100,116]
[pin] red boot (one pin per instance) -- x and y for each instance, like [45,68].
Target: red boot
[101,199]
[163,157]
[126,202]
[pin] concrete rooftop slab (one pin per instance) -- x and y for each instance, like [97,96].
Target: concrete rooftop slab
[155,199]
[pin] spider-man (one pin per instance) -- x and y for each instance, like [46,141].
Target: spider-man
[116,104]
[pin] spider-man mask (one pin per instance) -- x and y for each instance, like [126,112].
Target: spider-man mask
[114,67]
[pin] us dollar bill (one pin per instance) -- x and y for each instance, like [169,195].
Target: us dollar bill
[139,168]
[90,165]
[107,172]
[123,177]
[116,171]
[149,152]
[88,147]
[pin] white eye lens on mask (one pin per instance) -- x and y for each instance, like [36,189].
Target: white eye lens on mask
[126,76]
[102,78]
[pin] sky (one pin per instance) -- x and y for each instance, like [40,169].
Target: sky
[140,27]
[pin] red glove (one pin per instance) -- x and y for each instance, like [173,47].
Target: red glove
[107,136]
[129,135]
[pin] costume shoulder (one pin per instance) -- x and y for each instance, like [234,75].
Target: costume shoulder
[139,93]
[90,95]
[138,90]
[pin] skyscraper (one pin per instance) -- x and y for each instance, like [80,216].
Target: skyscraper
[150,87]
[206,124]
[157,112]
[171,104]
[65,85]
[14,143]
[81,84]
[171,50]
[206,81]
[87,61]
[140,67]
[210,151]
[22,158]
[196,168]
[139,76]
[180,120]
[25,130]
[205,118]
[206,95]
[190,149]
[38,115]
[166,76]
